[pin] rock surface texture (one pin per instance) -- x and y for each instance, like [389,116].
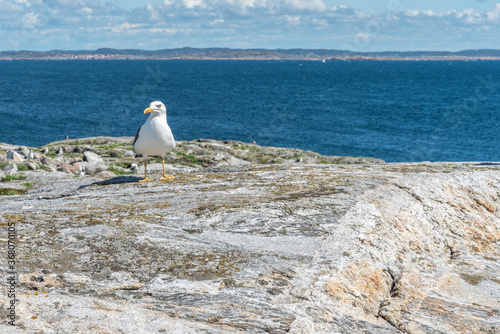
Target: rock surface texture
[297,248]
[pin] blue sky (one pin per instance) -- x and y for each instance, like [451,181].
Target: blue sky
[358,25]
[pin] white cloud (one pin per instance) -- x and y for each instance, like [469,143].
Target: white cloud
[86,11]
[311,5]
[23,2]
[362,36]
[217,21]
[31,20]
[266,23]
[169,31]
[154,13]
[293,20]
[244,6]
[494,14]
[124,27]
[423,13]
[7,6]
[320,23]
[412,13]
[469,11]
[193,3]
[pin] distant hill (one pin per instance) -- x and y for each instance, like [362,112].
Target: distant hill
[249,54]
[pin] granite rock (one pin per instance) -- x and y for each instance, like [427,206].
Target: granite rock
[31,165]
[49,161]
[380,248]
[23,150]
[13,155]
[10,169]
[92,157]
[94,167]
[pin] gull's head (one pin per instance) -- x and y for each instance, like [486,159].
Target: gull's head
[156,107]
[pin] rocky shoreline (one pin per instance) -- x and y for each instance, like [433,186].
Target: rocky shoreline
[248,239]
[21,167]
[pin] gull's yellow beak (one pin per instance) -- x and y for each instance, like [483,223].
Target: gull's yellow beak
[148,110]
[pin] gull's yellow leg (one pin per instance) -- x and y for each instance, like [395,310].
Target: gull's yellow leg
[165,176]
[145,172]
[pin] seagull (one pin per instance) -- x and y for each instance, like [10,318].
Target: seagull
[30,156]
[154,137]
[134,167]
[81,171]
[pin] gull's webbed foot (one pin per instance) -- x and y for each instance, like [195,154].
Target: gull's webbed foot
[167,177]
[146,180]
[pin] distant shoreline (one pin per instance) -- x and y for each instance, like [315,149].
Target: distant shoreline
[375,59]
[251,54]
[263,59]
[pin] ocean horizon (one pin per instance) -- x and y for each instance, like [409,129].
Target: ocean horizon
[397,111]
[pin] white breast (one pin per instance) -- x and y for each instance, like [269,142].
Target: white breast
[155,137]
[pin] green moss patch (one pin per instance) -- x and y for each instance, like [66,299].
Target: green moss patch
[10,192]
[14,177]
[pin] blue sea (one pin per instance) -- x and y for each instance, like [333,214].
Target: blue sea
[396,111]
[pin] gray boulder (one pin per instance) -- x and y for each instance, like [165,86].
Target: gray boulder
[78,149]
[10,169]
[23,150]
[31,165]
[13,155]
[94,167]
[49,161]
[116,153]
[92,157]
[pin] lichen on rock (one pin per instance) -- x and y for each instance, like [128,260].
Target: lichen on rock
[285,247]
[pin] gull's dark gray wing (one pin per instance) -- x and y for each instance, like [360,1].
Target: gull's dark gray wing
[137,134]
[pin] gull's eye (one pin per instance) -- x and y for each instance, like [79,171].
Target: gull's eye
[158,105]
